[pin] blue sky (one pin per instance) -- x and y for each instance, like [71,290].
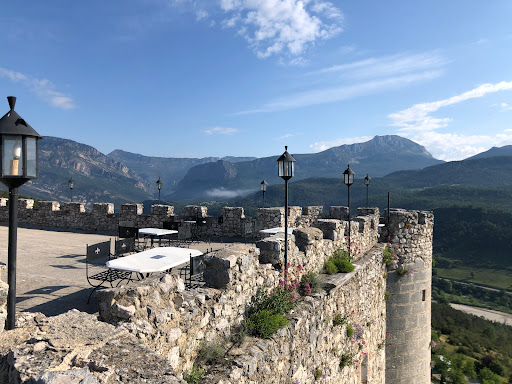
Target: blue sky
[184,78]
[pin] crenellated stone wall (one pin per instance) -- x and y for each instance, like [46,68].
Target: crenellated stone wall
[170,322]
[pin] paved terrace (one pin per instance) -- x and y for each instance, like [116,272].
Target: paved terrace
[51,269]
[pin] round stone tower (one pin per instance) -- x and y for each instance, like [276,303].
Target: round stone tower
[408,307]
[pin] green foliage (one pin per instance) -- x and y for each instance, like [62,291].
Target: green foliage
[318,373]
[388,256]
[402,271]
[280,302]
[330,267]
[337,265]
[339,319]
[313,281]
[343,265]
[194,376]
[264,323]
[238,333]
[350,331]
[468,344]
[210,352]
[347,359]
[341,253]
[387,295]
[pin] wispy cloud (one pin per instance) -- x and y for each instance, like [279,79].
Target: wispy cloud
[335,94]
[220,131]
[505,106]
[376,67]
[282,27]
[417,117]
[323,145]
[43,88]
[417,124]
[226,193]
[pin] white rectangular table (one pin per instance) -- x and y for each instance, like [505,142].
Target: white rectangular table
[157,259]
[153,232]
[273,231]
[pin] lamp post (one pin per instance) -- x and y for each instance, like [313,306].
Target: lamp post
[159,186]
[367,183]
[263,189]
[348,179]
[18,164]
[71,184]
[286,170]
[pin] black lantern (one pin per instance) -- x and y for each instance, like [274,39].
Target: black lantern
[367,183]
[71,184]
[159,186]
[18,164]
[348,179]
[263,190]
[286,171]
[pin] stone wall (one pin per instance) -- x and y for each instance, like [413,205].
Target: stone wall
[409,284]
[158,322]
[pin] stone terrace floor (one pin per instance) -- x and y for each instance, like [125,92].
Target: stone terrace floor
[51,269]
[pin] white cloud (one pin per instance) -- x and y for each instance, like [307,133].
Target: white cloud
[227,194]
[220,131]
[453,146]
[417,124]
[275,27]
[417,118]
[505,106]
[201,14]
[335,94]
[376,67]
[323,145]
[43,88]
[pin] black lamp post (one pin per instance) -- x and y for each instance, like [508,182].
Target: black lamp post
[263,189]
[71,184]
[348,179]
[159,186]
[367,183]
[286,170]
[18,164]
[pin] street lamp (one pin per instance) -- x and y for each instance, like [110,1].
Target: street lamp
[18,164]
[367,183]
[286,170]
[159,186]
[71,184]
[263,189]
[348,179]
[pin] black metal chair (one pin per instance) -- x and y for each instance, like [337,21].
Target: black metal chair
[97,274]
[131,232]
[124,247]
[173,225]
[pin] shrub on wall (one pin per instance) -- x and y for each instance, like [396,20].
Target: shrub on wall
[311,283]
[264,323]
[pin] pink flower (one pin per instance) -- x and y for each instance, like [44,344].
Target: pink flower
[388,335]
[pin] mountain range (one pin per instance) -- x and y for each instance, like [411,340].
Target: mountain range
[122,177]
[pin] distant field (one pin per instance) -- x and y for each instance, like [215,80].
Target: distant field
[495,278]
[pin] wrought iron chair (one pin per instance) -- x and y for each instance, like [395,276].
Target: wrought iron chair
[174,225]
[124,247]
[97,274]
[131,232]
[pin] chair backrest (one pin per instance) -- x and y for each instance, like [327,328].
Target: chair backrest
[197,265]
[99,253]
[170,225]
[124,246]
[184,232]
[125,232]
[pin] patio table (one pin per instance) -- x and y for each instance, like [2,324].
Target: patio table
[153,232]
[156,259]
[273,231]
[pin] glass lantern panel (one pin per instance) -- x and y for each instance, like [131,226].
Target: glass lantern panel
[12,152]
[31,157]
